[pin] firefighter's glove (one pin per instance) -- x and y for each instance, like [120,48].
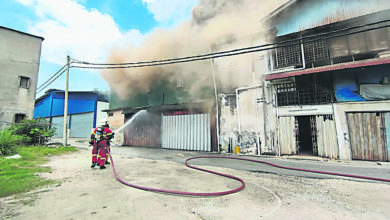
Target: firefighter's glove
[91,142]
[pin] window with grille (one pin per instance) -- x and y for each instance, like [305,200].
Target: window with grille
[312,89]
[24,82]
[316,53]
[288,56]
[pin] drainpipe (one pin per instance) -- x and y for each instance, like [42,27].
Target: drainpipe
[238,107]
[277,122]
[216,101]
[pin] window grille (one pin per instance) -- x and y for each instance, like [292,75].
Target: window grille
[316,51]
[288,56]
[292,94]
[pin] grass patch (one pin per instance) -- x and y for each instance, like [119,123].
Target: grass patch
[20,175]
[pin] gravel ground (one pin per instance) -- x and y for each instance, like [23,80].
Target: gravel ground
[85,193]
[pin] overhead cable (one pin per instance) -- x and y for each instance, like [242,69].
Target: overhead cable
[54,75]
[89,65]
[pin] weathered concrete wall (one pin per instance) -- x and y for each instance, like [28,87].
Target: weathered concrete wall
[228,123]
[250,119]
[19,56]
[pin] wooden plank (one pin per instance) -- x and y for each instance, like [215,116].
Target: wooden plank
[387,134]
[371,134]
[353,138]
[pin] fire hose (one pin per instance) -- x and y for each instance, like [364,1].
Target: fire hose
[230,176]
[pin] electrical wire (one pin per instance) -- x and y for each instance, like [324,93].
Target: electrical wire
[89,65]
[39,87]
[56,76]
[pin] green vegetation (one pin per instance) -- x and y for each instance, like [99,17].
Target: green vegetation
[26,139]
[8,142]
[35,132]
[29,132]
[20,175]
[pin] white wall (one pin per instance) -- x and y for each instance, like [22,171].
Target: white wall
[19,56]
[99,111]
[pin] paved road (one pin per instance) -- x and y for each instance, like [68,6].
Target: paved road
[362,168]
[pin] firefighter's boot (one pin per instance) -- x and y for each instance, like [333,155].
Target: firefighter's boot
[93,164]
[102,167]
[106,162]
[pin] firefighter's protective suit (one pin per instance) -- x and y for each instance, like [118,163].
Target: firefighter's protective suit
[100,138]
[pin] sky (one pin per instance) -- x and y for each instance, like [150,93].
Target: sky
[88,30]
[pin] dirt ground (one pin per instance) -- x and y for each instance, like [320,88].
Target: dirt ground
[85,193]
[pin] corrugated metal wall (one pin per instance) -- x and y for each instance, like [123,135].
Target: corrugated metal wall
[326,136]
[145,130]
[81,125]
[186,132]
[287,135]
[367,136]
[301,16]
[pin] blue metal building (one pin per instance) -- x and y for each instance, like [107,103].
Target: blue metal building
[84,109]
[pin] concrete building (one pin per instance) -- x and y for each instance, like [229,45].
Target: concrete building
[328,80]
[323,91]
[19,65]
[85,109]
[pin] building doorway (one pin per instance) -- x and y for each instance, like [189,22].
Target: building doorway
[307,135]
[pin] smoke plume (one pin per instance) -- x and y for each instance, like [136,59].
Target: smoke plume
[215,25]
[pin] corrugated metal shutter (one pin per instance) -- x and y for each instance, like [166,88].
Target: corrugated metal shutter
[58,124]
[81,125]
[186,132]
[367,136]
[287,135]
[326,136]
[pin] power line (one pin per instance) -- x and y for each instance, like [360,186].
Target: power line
[43,84]
[90,65]
[56,76]
[220,54]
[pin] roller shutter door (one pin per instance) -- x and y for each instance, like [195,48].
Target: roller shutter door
[186,132]
[81,125]
[58,124]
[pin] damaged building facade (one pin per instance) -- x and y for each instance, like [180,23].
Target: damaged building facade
[320,88]
[328,80]
[325,91]
[167,116]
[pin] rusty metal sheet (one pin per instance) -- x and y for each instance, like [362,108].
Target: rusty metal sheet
[144,131]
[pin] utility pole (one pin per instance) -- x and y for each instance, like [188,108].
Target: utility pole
[66,101]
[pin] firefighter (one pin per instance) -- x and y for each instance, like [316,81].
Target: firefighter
[100,138]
